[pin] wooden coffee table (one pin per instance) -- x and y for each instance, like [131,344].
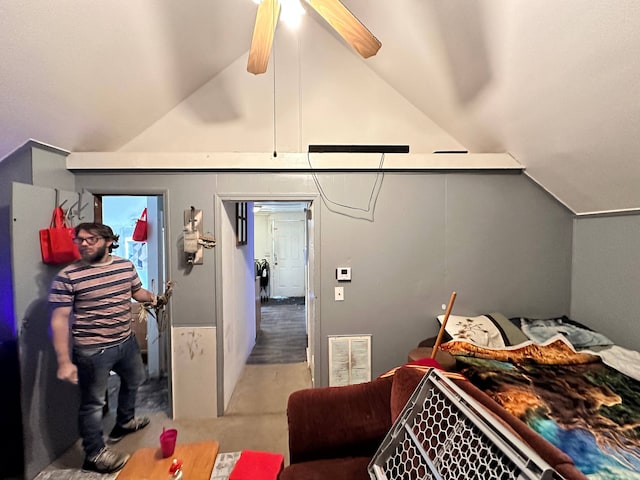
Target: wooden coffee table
[147,463]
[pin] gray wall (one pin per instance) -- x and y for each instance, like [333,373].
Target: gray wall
[50,169]
[497,239]
[606,277]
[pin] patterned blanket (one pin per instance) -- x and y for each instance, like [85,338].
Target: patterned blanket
[587,409]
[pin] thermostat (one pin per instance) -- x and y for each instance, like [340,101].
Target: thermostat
[343,274]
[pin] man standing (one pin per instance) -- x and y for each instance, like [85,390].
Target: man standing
[92,297]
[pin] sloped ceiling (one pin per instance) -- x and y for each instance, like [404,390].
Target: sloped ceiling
[555,84]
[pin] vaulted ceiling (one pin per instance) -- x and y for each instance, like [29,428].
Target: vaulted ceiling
[555,84]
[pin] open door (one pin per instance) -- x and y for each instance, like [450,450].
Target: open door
[120,212]
[49,406]
[310,296]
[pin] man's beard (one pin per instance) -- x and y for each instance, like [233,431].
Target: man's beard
[95,257]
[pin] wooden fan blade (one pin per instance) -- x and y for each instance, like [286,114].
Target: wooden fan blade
[348,26]
[263,32]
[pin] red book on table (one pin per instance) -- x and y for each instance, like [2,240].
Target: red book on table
[254,465]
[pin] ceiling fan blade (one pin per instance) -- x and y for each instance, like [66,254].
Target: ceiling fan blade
[263,32]
[348,26]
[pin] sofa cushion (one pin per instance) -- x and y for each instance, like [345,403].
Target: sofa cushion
[350,468]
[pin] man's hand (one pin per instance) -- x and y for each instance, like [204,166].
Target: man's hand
[68,372]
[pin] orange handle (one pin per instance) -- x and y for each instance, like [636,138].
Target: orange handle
[444,324]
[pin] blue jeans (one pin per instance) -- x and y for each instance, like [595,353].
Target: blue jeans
[94,366]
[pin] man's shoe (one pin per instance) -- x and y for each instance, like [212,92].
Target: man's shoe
[133,425]
[106,461]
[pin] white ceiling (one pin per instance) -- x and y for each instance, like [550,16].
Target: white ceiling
[555,84]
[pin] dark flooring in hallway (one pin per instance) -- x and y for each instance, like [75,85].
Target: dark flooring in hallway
[282,337]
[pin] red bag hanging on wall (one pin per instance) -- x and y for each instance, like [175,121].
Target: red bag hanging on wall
[56,242]
[140,231]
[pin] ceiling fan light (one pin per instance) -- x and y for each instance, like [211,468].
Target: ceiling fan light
[291,13]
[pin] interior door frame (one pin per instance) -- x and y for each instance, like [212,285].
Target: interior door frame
[313,263]
[164,255]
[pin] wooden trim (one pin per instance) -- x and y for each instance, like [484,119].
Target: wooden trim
[290,162]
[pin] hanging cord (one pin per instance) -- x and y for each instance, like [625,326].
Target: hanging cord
[300,129]
[373,197]
[275,153]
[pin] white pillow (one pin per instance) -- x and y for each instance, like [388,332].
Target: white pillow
[481,330]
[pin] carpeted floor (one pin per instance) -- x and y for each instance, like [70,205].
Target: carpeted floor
[282,337]
[247,424]
[153,395]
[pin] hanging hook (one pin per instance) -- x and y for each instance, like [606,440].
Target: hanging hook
[81,206]
[58,204]
[70,214]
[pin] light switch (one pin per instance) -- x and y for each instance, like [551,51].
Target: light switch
[339,293]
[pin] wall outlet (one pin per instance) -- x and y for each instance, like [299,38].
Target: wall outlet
[339,294]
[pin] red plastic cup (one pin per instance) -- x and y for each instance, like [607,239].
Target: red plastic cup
[168,441]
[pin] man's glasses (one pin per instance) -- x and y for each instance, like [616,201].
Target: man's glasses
[90,240]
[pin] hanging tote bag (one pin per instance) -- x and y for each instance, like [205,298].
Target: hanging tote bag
[56,242]
[140,231]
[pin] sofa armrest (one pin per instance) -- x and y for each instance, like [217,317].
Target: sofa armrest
[333,422]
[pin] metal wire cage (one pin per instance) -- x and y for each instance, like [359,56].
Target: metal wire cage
[444,434]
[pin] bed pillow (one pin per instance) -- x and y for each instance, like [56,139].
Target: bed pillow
[493,330]
[541,329]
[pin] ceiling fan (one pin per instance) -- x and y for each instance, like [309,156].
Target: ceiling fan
[333,11]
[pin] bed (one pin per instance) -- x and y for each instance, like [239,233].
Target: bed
[569,383]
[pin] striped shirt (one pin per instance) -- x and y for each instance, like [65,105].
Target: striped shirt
[100,300]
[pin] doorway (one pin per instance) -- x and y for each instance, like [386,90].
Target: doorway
[280,251]
[238,289]
[121,213]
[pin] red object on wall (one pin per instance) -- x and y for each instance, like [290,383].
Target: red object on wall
[140,231]
[56,242]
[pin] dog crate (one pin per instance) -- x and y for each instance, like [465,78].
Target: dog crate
[444,434]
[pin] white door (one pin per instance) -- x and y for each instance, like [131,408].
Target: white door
[288,270]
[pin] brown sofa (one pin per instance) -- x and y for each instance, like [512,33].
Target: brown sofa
[335,431]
